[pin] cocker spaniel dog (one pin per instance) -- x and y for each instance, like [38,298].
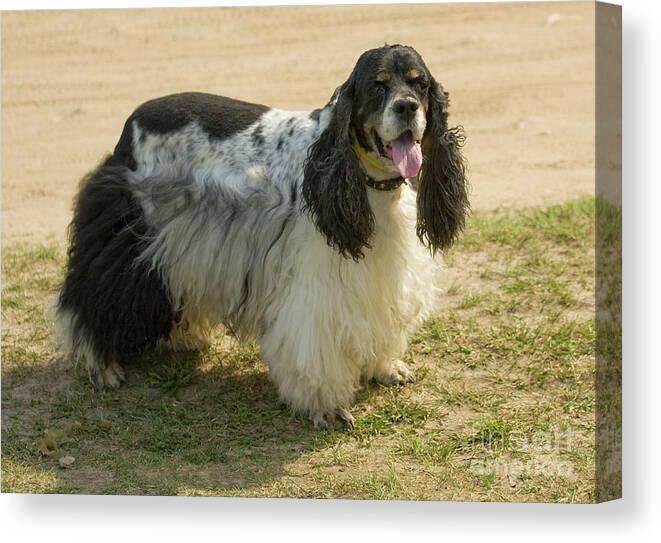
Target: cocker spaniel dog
[313,232]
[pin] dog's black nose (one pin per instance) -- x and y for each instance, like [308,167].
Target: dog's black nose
[405,107]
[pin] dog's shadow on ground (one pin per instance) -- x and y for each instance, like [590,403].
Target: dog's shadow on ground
[191,423]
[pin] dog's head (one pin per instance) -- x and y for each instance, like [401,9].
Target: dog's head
[388,120]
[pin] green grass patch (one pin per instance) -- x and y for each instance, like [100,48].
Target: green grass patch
[566,224]
[502,409]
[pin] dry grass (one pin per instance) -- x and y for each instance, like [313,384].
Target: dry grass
[503,409]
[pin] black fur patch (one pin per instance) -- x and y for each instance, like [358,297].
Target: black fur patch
[257,136]
[443,188]
[219,116]
[120,305]
[363,141]
[123,155]
[333,187]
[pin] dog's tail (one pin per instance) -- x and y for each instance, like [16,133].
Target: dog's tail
[111,306]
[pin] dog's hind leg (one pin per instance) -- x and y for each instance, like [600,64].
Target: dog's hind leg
[76,343]
[112,306]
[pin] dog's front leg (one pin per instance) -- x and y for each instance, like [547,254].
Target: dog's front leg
[312,373]
[393,372]
[338,419]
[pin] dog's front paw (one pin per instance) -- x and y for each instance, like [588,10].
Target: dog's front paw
[397,373]
[334,420]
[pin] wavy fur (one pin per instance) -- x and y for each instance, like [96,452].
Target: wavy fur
[333,188]
[443,188]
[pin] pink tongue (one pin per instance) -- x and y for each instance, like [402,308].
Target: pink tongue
[406,155]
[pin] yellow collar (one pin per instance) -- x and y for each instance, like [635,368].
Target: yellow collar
[367,159]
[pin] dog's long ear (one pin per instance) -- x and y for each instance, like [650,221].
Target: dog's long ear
[443,189]
[334,193]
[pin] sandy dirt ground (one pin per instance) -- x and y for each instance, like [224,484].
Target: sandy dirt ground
[521,79]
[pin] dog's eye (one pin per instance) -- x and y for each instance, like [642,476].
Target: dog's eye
[379,89]
[420,83]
